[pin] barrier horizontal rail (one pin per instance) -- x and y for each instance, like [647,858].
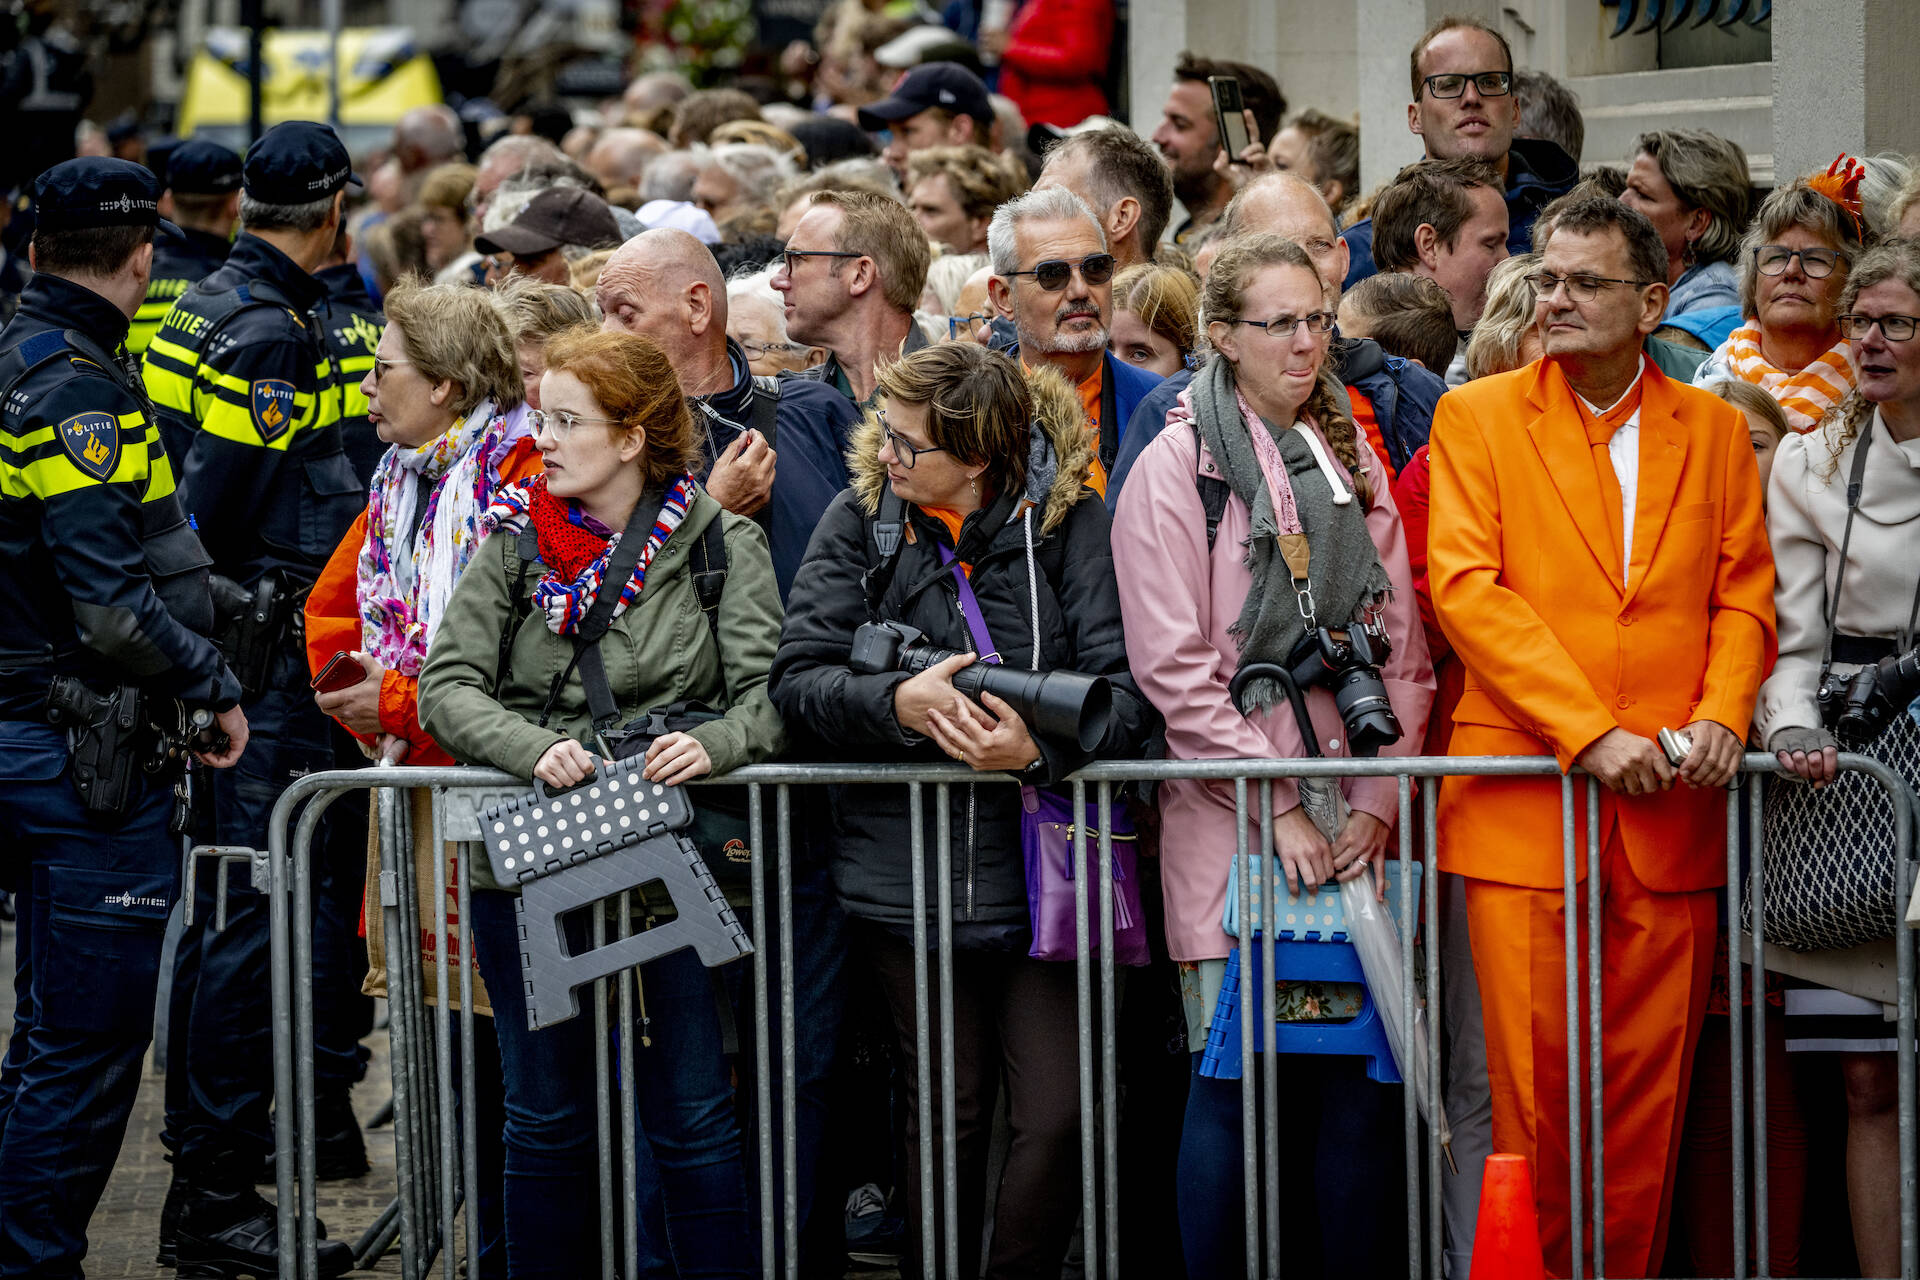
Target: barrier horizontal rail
[436,1175]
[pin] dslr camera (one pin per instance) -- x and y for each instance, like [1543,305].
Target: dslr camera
[1857,707]
[1346,662]
[1064,706]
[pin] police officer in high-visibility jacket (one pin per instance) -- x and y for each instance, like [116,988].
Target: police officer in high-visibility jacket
[239,366]
[105,635]
[203,186]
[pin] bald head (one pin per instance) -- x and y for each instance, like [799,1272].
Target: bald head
[426,136]
[656,89]
[665,285]
[622,155]
[1283,204]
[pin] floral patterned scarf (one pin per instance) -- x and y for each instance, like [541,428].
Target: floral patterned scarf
[576,554]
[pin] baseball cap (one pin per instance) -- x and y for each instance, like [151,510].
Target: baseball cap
[98,191]
[681,216]
[297,162]
[946,85]
[200,167]
[557,216]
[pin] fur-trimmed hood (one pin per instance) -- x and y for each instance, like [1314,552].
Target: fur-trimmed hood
[1059,457]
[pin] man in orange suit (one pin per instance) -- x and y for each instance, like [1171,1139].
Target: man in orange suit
[1600,563]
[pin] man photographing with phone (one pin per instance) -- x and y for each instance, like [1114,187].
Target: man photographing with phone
[1190,138]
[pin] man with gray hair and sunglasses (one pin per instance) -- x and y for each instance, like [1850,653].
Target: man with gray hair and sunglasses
[1052,272]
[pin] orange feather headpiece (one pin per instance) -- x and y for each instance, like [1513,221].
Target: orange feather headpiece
[1841,184]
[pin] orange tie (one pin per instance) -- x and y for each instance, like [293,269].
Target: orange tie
[1599,431]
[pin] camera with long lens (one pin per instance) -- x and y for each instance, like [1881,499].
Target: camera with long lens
[1347,663]
[1858,706]
[1064,706]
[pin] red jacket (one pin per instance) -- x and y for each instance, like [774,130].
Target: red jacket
[1056,60]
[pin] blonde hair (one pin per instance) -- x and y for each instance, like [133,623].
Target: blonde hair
[1494,346]
[1167,300]
[1750,399]
[453,333]
[535,311]
[448,186]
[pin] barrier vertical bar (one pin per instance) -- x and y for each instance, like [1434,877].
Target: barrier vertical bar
[1436,1021]
[280,976]
[1083,1011]
[1736,1030]
[603,1100]
[443,1058]
[413,1009]
[628,1040]
[1903,822]
[469,1098]
[1595,1081]
[1110,1075]
[1410,1103]
[922,1039]
[1249,1166]
[1267,920]
[1570,931]
[789,1055]
[949,1124]
[762,1020]
[1763,1247]
[398,938]
[303,1030]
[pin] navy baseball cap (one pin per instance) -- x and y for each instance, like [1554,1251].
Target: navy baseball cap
[297,162]
[99,191]
[203,168]
[946,85]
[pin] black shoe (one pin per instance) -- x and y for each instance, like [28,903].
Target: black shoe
[340,1153]
[170,1219]
[227,1235]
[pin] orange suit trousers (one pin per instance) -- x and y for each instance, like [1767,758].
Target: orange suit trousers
[1656,954]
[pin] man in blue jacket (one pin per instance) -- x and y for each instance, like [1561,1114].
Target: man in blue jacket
[1051,269]
[1464,105]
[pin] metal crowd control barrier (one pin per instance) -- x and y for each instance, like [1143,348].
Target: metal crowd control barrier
[436,1150]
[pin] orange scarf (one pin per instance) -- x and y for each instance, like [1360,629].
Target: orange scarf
[1805,396]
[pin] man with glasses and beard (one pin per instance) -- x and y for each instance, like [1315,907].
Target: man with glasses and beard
[1052,272]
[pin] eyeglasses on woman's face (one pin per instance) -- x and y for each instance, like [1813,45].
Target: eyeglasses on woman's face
[1815,264]
[1856,327]
[1284,327]
[904,450]
[1053,274]
[382,367]
[559,423]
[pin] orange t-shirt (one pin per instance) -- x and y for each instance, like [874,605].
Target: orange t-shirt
[1090,403]
[953,520]
[1363,418]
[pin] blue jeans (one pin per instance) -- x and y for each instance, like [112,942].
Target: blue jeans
[1339,1171]
[683,1090]
[94,903]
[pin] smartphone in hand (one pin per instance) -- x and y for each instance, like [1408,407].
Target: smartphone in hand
[1227,119]
[343,671]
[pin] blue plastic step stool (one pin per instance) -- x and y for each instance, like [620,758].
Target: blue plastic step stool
[1311,945]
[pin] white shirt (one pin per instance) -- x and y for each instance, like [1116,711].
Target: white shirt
[1623,450]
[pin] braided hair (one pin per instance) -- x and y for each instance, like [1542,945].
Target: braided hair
[1225,292]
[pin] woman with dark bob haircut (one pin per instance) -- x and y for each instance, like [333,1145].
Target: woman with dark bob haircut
[620,451]
[986,470]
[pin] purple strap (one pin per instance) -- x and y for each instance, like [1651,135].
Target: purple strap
[970,609]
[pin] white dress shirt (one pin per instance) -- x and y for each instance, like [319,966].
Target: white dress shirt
[1623,450]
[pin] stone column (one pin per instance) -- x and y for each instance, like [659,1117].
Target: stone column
[1388,30]
[1843,81]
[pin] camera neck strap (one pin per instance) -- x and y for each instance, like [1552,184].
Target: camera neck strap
[983,645]
[1856,478]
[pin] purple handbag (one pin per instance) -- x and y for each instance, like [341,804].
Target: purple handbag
[1047,831]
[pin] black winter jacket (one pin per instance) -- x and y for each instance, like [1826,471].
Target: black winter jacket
[822,699]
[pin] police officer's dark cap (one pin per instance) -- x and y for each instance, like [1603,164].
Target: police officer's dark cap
[946,85]
[297,162]
[203,168]
[98,191]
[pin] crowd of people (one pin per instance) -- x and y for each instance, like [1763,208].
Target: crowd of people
[663,431]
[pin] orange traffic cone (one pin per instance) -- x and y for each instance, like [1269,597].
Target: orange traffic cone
[1506,1241]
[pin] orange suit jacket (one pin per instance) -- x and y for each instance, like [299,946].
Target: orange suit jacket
[1526,583]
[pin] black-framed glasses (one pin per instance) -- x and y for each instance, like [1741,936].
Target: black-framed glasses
[956,323]
[1453,84]
[758,349]
[560,422]
[1815,264]
[1053,274]
[1287,326]
[1855,326]
[904,449]
[791,254]
[1580,286]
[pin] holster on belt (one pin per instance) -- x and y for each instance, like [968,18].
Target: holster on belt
[252,624]
[108,734]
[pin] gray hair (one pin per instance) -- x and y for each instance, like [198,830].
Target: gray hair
[1795,205]
[757,287]
[1887,175]
[947,275]
[1551,111]
[759,170]
[1049,204]
[1707,172]
[671,176]
[258,215]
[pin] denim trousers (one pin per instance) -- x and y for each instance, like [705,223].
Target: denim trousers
[684,1096]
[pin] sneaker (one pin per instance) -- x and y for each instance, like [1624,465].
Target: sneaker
[874,1236]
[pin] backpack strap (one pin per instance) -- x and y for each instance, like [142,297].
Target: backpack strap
[889,530]
[764,412]
[1214,496]
[525,549]
[710,574]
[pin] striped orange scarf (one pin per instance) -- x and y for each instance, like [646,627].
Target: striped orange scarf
[1805,396]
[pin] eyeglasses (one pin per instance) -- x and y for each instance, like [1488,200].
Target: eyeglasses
[1581,288]
[757,349]
[382,367]
[559,423]
[1893,328]
[1053,274]
[1815,264]
[790,255]
[1287,326]
[904,449]
[956,323]
[1453,84]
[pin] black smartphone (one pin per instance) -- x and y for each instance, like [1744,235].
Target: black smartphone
[1227,118]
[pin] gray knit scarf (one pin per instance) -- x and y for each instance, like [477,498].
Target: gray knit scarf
[1345,573]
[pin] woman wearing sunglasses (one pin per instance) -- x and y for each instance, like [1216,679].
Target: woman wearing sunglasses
[501,688]
[1268,418]
[988,469]
[1794,264]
